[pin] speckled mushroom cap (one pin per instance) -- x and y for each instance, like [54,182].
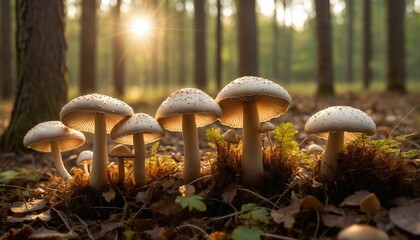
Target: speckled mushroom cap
[121,151]
[340,118]
[40,136]
[266,127]
[187,101]
[138,123]
[85,157]
[362,232]
[272,99]
[80,112]
[231,136]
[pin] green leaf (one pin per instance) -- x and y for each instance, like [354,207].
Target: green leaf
[128,234]
[154,149]
[255,213]
[284,135]
[411,154]
[244,233]
[214,137]
[8,176]
[192,202]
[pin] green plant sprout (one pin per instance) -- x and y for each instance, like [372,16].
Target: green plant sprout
[214,137]
[254,213]
[192,202]
[244,233]
[284,135]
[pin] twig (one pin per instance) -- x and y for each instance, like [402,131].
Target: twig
[62,219]
[270,235]
[398,124]
[227,216]
[256,194]
[85,226]
[195,227]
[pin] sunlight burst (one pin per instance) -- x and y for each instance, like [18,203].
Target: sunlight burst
[141,27]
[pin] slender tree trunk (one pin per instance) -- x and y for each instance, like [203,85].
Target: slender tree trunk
[166,46]
[219,42]
[247,38]
[396,47]
[288,43]
[181,46]
[6,80]
[200,74]
[41,69]
[276,67]
[367,74]
[119,58]
[88,47]
[350,15]
[154,79]
[324,76]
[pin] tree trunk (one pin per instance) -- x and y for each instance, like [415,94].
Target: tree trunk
[367,74]
[200,74]
[41,69]
[119,59]
[288,36]
[276,67]
[349,6]
[219,42]
[6,80]
[166,46]
[396,48]
[88,47]
[247,38]
[181,46]
[324,76]
[154,78]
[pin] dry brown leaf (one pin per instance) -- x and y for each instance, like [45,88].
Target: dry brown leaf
[407,218]
[166,207]
[341,221]
[44,216]
[109,196]
[168,184]
[44,233]
[157,233]
[29,206]
[287,215]
[142,197]
[355,199]
[187,190]
[229,193]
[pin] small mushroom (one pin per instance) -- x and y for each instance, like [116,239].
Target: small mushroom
[315,150]
[337,124]
[85,159]
[138,130]
[246,102]
[120,152]
[98,114]
[185,110]
[267,127]
[370,205]
[362,232]
[54,137]
[230,137]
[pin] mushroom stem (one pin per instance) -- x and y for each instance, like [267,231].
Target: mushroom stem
[270,143]
[121,170]
[139,165]
[98,177]
[191,148]
[58,162]
[85,169]
[251,151]
[329,163]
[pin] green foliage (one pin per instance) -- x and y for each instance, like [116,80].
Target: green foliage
[394,146]
[19,176]
[214,137]
[192,202]
[284,135]
[128,234]
[255,213]
[154,149]
[244,233]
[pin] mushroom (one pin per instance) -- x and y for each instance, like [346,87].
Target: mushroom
[267,127]
[120,152]
[230,137]
[138,130]
[362,232]
[85,159]
[96,113]
[370,205]
[185,110]
[246,102]
[54,137]
[316,150]
[337,124]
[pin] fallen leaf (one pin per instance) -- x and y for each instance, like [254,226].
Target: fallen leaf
[29,206]
[341,221]
[44,233]
[229,193]
[355,199]
[157,233]
[109,196]
[44,216]
[407,218]
[142,197]
[168,184]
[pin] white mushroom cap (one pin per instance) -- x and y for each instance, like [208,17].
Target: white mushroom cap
[230,136]
[272,99]
[266,127]
[138,123]
[85,157]
[315,148]
[40,136]
[362,232]
[121,151]
[187,101]
[340,119]
[80,112]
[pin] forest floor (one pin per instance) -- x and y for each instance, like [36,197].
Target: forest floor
[37,205]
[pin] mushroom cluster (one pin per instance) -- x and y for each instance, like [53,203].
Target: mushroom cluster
[247,102]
